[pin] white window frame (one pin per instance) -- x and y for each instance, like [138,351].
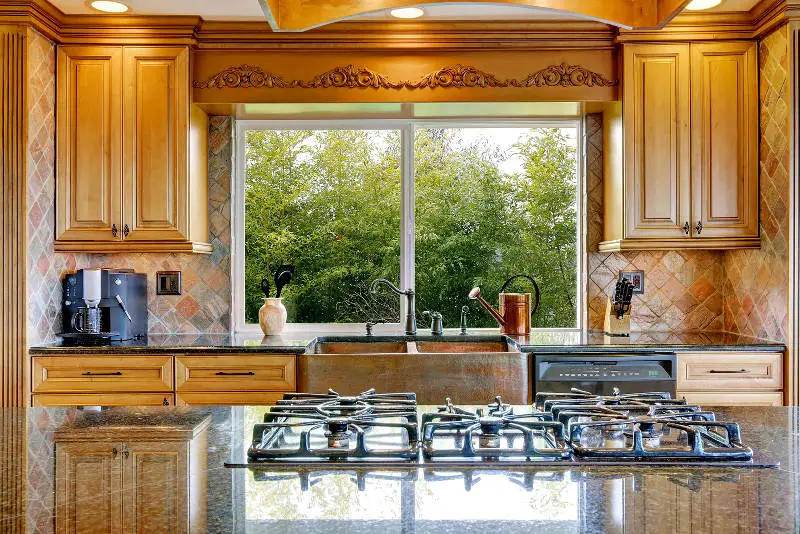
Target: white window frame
[407,128]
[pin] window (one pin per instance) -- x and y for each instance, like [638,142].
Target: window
[438,206]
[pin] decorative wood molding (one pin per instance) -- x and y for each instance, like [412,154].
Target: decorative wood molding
[457,76]
[13,220]
[244,76]
[359,77]
[350,76]
[565,76]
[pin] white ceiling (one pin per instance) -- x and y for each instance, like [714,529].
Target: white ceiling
[251,10]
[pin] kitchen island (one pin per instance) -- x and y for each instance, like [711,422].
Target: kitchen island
[635,498]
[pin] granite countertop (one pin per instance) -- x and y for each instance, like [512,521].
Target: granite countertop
[538,341]
[572,499]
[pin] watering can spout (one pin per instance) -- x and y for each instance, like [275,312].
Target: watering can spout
[475,294]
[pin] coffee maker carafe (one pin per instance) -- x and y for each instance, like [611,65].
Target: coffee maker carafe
[105,303]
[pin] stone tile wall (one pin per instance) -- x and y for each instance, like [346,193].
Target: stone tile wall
[206,301]
[756,281]
[683,290]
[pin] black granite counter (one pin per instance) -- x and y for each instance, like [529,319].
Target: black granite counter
[540,341]
[585,499]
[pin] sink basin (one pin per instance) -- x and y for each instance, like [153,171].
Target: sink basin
[456,347]
[358,347]
[469,369]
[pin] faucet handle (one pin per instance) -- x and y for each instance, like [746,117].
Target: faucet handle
[370,324]
[436,321]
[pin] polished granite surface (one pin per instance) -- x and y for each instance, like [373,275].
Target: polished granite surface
[585,499]
[537,341]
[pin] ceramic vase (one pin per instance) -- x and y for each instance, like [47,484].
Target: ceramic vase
[272,316]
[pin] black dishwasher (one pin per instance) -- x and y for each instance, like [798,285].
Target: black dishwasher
[629,373]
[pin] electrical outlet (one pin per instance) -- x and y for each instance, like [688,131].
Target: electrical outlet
[636,278]
[168,283]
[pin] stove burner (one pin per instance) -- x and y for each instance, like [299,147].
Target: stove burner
[454,432]
[332,426]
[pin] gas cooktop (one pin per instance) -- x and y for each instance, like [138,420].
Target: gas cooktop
[390,430]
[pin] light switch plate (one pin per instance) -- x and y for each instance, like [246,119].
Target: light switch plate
[636,278]
[168,283]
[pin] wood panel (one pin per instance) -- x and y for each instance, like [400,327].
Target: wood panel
[155,479]
[230,398]
[156,83]
[724,140]
[102,374]
[13,236]
[88,487]
[728,398]
[89,143]
[738,371]
[103,399]
[656,121]
[238,372]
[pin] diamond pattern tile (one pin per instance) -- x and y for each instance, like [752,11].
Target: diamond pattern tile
[756,285]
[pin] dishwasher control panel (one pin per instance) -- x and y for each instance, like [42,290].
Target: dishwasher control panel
[560,371]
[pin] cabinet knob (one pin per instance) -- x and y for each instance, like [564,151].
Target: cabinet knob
[686,228]
[699,227]
[114,230]
[166,402]
[125,451]
[125,231]
[114,452]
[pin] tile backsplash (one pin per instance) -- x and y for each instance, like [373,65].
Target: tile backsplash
[204,305]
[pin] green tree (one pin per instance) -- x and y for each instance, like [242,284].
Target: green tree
[329,203]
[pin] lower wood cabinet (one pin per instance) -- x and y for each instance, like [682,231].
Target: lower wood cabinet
[117,480]
[233,378]
[104,399]
[102,374]
[731,378]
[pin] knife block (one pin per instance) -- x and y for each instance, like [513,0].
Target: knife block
[613,326]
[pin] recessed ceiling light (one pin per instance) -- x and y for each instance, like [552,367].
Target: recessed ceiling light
[407,13]
[107,6]
[699,5]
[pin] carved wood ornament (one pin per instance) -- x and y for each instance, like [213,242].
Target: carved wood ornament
[359,77]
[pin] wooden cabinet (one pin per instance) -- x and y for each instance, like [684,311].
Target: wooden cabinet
[731,378]
[148,477]
[102,374]
[681,162]
[724,140]
[656,125]
[89,135]
[88,473]
[242,378]
[132,152]
[162,380]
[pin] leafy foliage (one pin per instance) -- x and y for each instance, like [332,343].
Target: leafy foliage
[329,203]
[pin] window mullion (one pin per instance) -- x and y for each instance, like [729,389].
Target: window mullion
[406,211]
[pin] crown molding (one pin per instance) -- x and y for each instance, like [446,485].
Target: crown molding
[551,34]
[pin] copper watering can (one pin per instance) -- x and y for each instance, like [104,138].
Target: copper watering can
[515,311]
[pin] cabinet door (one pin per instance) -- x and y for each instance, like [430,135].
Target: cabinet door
[89,143]
[88,487]
[156,115]
[724,140]
[656,138]
[156,493]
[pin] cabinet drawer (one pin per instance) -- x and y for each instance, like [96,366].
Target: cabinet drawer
[102,374]
[103,399]
[728,398]
[712,371]
[235,372]
[247,398]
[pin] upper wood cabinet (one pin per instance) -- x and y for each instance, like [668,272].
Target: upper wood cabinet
[132,154]
[681,163]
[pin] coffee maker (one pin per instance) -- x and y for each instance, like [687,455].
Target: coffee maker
[120,297]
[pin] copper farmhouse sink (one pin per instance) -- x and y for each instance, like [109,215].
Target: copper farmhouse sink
[469,371]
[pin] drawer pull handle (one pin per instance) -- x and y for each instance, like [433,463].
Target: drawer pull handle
[728,372]
[223,373]
[115,373]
